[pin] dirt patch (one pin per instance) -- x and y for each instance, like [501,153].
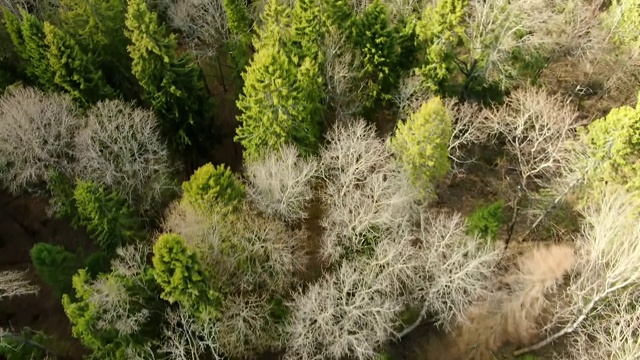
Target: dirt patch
[23,223]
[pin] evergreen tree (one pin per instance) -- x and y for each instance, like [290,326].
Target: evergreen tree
[239,23]
[29,41]
[309,29]
[107,216]
[440,30]
[422,145]
[96,26]
[74,70]
[213,188]
[115,316]
[172,84]
[614,144]
[282,96]
[182,278]
[374,37]
[55,266]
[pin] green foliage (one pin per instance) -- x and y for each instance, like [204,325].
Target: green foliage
[96,26]
[14,29]
[308,29]
[281,98]
[528,357]
[75,71]
[212,187]
[172,84]
[103,324]
[97,263]
[182,278]
[106,215]
[623,17]
[54,265]
[60,189]
[486,220]
[29,40]
[614,143]
[26,345]
[440,30]
[239,23]
[407,41]
[421,144]
[376,40]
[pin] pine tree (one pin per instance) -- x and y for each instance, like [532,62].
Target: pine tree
[213,188]
[29,40]
[440,30]
[172,84]
[374,37]
[55,266]
[106,215]
[422,145]
[282,94]
[96,26]
[181,276]
[239,23]
[74,70]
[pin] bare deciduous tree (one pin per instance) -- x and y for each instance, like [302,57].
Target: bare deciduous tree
[247,326]
[120,147]
[280,184]
[117,306]
[347,313]
[342,75]
[455,268]
[187,338]
[365,190]
[607,267]
[15,283]
[36,136]
[615,334]
[538,129]
[202,23]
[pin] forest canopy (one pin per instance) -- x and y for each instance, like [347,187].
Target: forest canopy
[328,179]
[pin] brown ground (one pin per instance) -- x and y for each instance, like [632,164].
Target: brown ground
[23,223]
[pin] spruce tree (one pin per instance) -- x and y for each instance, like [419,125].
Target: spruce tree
[239,23]
[54,265]
[75,71]
[374,37]
[281,101]
[172,84]
[181,276]
[96,26]
[439,31]
[29,41]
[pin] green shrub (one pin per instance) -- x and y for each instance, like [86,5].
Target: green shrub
[98,263]
[54,265]
[106,215]
[212,187]
[422,145]
[486,220]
